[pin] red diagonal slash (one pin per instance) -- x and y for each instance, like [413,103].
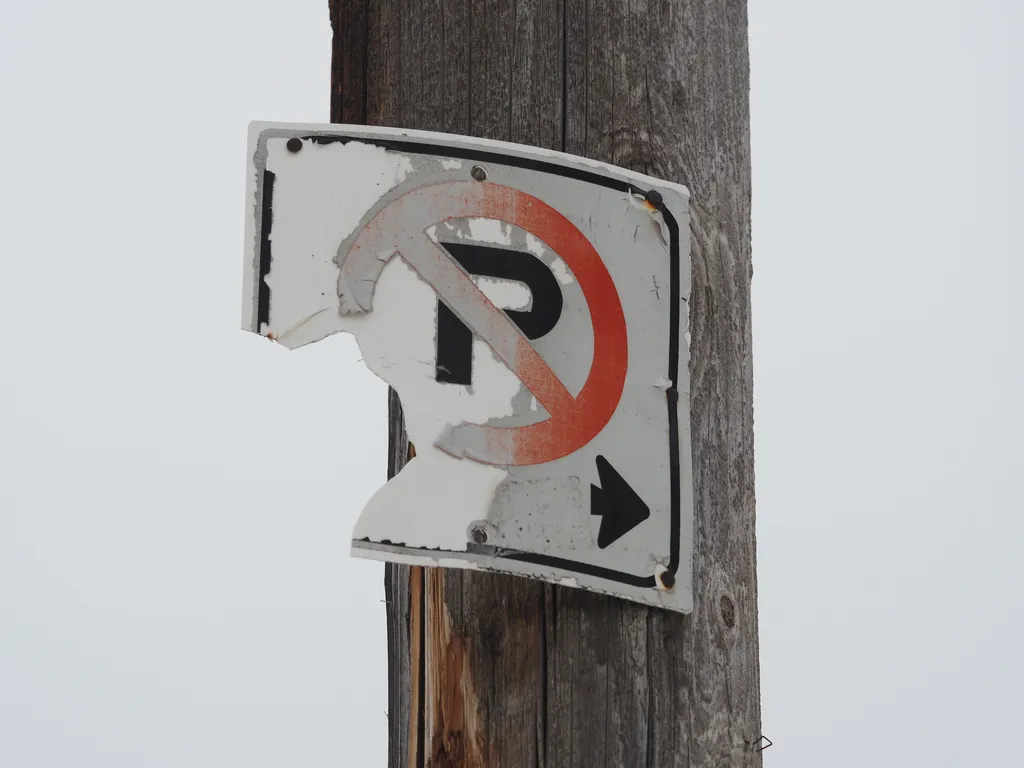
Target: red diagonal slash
[400,228]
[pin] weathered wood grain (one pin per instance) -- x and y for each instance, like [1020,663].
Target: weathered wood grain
[488,670]
[403,597]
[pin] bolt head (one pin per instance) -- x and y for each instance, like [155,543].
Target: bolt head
[479,535]
[667,579]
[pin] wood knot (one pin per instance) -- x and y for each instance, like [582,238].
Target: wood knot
[727,610]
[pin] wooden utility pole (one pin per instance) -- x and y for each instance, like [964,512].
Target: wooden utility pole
[491,670]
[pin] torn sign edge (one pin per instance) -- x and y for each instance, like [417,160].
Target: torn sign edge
[672,197]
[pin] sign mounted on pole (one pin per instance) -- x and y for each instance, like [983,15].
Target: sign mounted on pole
[531,310]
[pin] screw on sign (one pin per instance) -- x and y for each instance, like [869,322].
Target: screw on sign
[506,294]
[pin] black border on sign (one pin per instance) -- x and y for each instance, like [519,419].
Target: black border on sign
[579,174]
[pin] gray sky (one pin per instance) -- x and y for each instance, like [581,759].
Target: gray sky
[176,498]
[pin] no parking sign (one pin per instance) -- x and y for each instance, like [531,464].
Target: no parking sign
[530,308]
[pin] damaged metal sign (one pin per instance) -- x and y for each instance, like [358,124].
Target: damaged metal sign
[530,308]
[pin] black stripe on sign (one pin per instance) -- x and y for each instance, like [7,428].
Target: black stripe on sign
[267,222]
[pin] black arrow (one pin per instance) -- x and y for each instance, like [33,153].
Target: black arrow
[620,507]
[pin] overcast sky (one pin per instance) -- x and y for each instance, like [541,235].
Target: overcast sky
[175,501]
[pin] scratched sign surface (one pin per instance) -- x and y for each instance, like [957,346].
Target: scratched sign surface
[531,310]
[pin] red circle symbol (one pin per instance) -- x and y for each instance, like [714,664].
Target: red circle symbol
[574,421]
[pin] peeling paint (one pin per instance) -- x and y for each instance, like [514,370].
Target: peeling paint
[562,272]
[659,221]
[505,294]
[636,202]
[490,231]
[535,246]
[459,489]
[327,275]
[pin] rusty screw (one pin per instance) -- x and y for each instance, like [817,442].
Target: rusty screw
[654,198]
[479,535]
[294,144]
[479,173]
[667,579]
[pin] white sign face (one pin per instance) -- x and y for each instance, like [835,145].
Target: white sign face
[531,310]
